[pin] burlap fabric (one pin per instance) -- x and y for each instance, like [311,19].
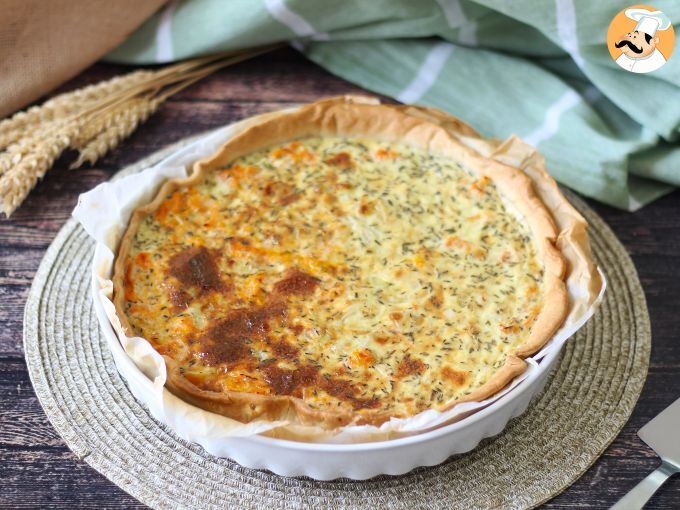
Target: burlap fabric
[44,43]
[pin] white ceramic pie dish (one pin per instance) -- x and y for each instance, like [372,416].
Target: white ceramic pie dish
[321,461]
[358,461]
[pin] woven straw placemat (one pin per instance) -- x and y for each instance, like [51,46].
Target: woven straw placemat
[587,400]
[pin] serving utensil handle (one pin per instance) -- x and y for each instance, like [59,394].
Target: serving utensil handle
[638,496]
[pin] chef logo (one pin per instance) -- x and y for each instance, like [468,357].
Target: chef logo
[640,39]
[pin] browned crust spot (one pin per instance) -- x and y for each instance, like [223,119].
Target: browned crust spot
[341,160]
[225,341]
[409,366]
[197,267]
[288,382]
[455,377]
[179,298]
[296,282]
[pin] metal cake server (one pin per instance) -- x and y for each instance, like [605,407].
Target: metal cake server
[662,434]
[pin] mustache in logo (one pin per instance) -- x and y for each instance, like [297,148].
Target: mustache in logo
[626,42]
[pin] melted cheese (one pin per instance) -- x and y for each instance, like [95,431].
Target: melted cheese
[352,273]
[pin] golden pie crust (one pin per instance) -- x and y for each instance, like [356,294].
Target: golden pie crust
[557,231]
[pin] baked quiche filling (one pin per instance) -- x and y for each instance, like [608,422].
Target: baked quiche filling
[356,274]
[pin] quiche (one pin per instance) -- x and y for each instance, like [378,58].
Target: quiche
[343,263]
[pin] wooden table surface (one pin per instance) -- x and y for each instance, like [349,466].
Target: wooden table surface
[37,470]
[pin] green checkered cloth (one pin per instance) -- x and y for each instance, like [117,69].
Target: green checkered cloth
[540,70]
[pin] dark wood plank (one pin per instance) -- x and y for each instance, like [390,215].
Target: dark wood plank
[36,468]
[22,421]
[55,478]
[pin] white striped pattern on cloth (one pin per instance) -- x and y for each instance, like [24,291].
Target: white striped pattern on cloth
[566,29]
[633,203]
[455,18]
[281,13]
[427,74]
[551,121]
[165,51]
[370,46]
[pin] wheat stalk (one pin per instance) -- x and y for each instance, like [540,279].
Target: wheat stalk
[33,159]
[92,120]
[100,121]
[118,124]
[64,105]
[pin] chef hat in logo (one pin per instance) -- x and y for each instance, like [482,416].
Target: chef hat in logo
[649,21]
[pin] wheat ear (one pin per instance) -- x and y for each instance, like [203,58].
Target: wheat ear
[40,154]
[92,120]
[117,124]
[67,104]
